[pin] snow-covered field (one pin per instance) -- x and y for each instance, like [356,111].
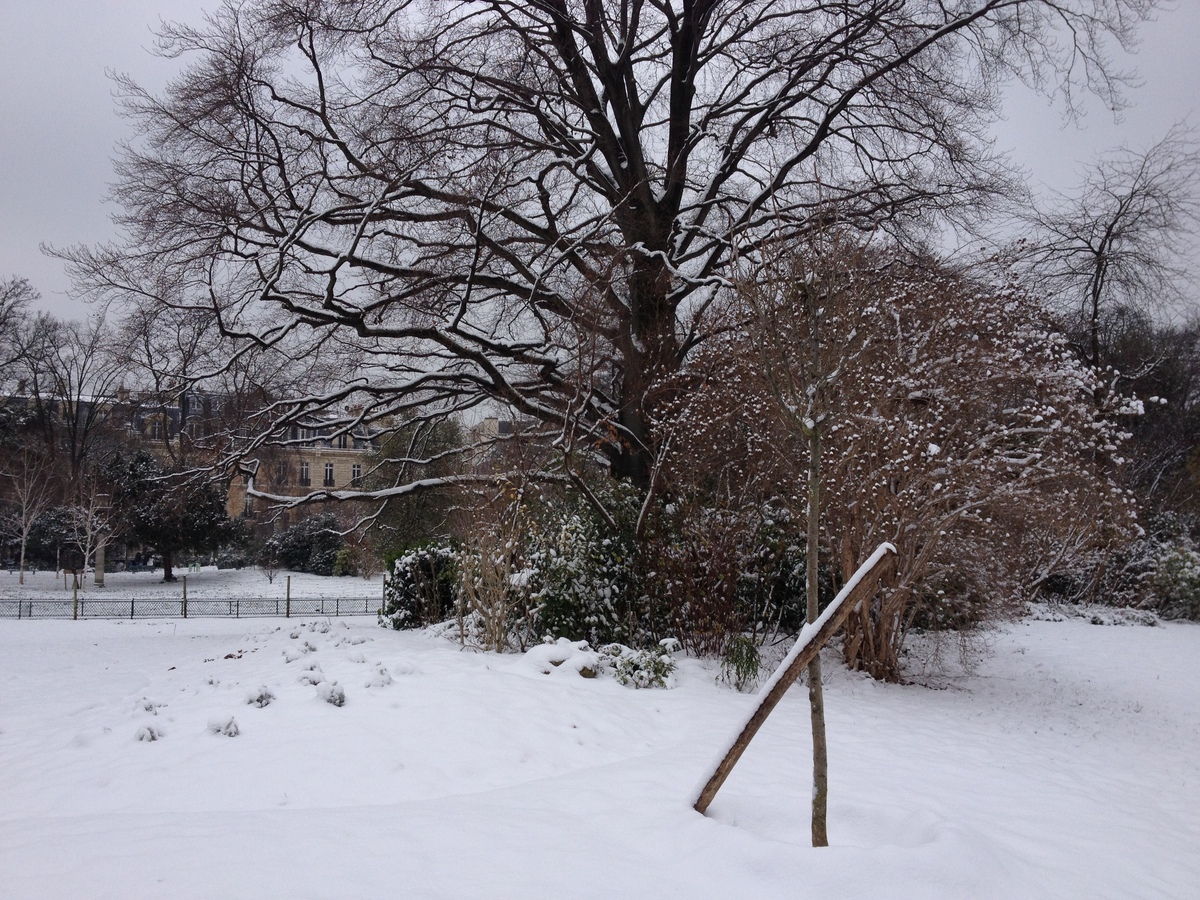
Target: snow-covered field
[210,583]
[1068,766]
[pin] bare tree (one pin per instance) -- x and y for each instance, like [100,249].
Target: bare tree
[1121,239]
[537,202]
[16,295]
[30,479]
[72,376]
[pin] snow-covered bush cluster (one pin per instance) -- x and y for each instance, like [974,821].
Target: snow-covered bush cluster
[648,668]
[546,566]
[531,569]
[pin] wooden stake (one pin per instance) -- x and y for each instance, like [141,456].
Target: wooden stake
[185,596]
[288,607]
[812,638]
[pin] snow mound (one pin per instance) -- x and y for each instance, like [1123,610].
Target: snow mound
[260,698]
[561,657]
[381,678]
[403,668]
[149,733]
[226,725]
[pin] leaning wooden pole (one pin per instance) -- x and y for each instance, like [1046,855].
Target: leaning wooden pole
[812,638]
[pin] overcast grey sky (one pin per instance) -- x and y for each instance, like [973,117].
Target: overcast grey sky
[58,126]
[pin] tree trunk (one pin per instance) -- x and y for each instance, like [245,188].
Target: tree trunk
[21,578]
[168,575]
[816,694]
[816,697]
[650,352]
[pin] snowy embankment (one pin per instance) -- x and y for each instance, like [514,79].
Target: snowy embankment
[1067,767]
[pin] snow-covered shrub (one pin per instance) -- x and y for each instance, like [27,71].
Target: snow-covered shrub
[260,697]
[422,588]
[581,575]
[224,725]
[641,668]
[563,655]
[955,423]
[332,693]
[149,733]
[1176,580]
[311,545]
[231,557]
[381,677]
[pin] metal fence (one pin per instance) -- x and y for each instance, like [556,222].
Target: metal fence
[133,608]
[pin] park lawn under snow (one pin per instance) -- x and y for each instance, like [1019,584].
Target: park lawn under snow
[210,583]
[1066,767]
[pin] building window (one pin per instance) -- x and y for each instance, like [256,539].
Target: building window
[304,479]
[341,441]
[328,474]
[156,429]
[356,475]
[282,475]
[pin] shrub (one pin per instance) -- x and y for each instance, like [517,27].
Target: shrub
[312,545]
[343,562]
[1176,581]
[582,579]
[641,668]
[422,588]
[741,664]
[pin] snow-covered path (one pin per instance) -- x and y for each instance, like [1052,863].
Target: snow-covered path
[1068,767]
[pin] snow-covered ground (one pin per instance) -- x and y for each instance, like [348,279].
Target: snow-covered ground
[1068,766]
[210,583]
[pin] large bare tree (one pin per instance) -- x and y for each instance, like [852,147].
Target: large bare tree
[535,202]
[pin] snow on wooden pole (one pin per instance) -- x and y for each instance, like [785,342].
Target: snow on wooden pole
[812,638]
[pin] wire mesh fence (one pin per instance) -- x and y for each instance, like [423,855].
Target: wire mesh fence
[141,608]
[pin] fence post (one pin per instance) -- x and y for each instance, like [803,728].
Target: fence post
[185,596]
[75,599]
[288,607]
[131,607]
[237,609]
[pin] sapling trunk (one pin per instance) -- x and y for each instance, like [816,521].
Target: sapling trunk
[816,697]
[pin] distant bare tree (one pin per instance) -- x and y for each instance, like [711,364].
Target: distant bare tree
[536,203]
[1121,239]
[16,294]
[72,372]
